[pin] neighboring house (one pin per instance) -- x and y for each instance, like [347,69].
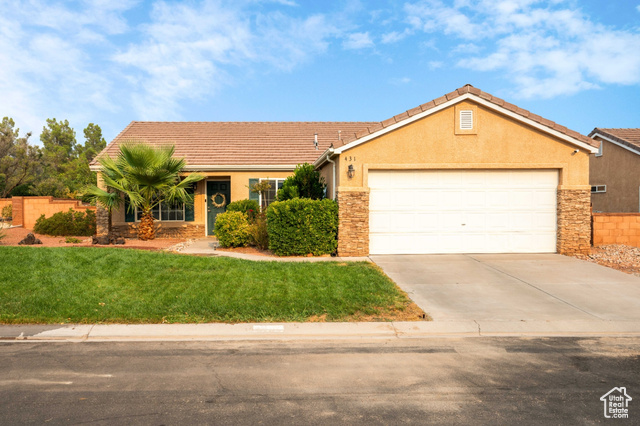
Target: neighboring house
[464,173]
[614,171]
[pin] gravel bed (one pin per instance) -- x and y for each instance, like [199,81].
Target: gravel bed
[620,257]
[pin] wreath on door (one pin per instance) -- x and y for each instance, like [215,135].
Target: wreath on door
[221,204]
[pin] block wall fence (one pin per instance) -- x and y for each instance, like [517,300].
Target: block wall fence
[616,228]
[26,210]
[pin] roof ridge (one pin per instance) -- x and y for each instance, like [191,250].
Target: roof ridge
[466,89]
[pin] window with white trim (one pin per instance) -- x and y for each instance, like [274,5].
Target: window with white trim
[165,212]
[466,119]
[598,188]
[270,195]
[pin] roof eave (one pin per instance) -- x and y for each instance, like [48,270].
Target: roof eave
[479,100]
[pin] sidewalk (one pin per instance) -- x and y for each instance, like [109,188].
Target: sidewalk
[207,247]
[314,331]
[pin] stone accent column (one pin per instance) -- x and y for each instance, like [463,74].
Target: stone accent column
[17,211]
[103,218]
[102,221]
[353,223]
[574,221]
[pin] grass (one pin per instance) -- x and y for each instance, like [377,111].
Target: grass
[102,285]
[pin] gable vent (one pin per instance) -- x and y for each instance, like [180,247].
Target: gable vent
[466,120]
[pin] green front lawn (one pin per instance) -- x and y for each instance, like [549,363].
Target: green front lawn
[89,285]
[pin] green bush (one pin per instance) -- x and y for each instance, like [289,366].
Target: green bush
[67,223]
[72,240]
[232,229]
[306,182]
[258,234]
[302,226]
[7,211]
[248,207]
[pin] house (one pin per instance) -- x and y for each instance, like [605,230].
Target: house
[613,171]
[464,173]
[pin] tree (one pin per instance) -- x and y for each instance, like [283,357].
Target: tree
[146,175]
[59,155]
[306,182]
[19,161]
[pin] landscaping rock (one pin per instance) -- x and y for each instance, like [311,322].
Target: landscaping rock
[30,240]
[119,241]
[103,241]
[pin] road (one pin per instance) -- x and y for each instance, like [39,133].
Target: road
[468,380]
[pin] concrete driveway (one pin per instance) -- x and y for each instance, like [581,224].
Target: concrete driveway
[514,287]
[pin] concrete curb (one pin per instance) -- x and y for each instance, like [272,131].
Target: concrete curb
[314,331]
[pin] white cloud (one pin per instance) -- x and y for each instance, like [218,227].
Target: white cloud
[545,49]
[434,65]
[395,36]
[358,41]
[638,8]
[399,81]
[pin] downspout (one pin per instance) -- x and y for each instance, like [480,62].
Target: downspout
[333,163]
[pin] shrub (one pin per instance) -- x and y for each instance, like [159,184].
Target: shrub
[248,207]
[232,229]
[72,240]
[7,211]
[67,223]
[258,235]
[302,226]
[305,182]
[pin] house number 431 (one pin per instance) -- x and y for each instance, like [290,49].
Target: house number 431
[349,158]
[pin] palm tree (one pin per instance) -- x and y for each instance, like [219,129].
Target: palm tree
[146,175]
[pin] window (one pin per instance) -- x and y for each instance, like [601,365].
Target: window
[165,212]
[598,188]
[270,195]
[466,119]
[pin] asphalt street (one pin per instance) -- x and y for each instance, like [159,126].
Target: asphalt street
[471,380]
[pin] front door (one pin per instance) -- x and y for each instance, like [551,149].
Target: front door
[218,195]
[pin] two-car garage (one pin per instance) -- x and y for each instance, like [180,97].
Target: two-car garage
[462,211]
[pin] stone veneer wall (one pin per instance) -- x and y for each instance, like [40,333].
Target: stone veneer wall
[353,223]
[574,221]
[102,221]
[163,230]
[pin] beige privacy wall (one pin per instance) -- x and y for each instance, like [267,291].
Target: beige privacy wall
[26,210]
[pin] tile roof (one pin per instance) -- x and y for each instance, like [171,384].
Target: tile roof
[350,137]
[627,137]
[238,143]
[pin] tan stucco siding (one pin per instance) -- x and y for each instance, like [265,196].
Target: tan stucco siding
[239,191]
[432,143]
[617,168]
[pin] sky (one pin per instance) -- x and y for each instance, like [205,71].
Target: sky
[110,62]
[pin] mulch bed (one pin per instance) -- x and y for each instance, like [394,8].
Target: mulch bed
[15,235]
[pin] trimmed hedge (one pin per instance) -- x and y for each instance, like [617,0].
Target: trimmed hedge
[71,223]
[232,229]
[248,207]
[301,226]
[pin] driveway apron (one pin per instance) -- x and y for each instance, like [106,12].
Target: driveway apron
[514,287]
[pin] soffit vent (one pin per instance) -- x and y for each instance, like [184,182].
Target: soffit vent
[466,120]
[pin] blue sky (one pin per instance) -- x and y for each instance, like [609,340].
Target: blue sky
[113,61]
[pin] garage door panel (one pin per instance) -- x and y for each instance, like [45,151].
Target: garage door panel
[471,211]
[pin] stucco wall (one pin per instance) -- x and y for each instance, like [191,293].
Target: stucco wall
[239,191]
[498,142]
[617,168]
[27,210]
[431,143]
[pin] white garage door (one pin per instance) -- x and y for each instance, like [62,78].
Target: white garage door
[462,211]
